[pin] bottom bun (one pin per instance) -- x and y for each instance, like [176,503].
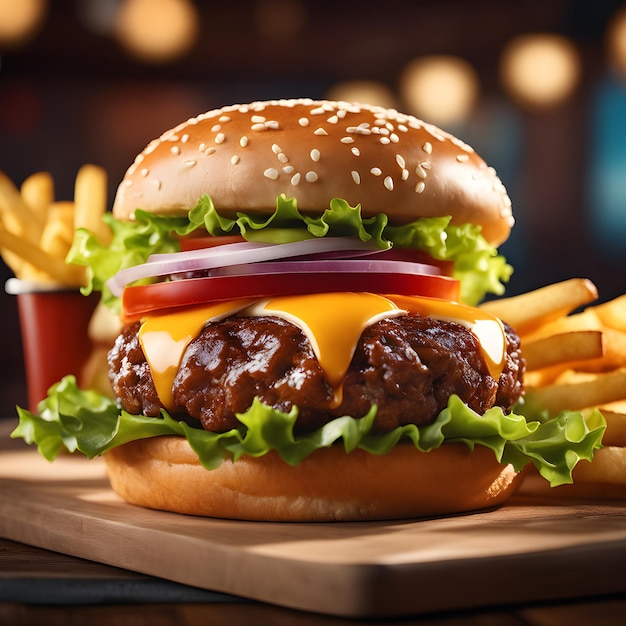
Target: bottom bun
[329,485]
[604,478]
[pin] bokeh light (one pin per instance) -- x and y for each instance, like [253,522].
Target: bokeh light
[364,91]
[616,42]
[441,89]
[20,20]
[157,31]
[540,70]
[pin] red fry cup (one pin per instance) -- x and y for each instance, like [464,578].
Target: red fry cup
[54,327]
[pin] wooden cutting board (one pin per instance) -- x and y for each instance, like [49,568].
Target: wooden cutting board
[526,551]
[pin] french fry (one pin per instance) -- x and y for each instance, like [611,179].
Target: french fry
[563,348]
[530,310]
[54,268]
[613,313]
[38,193]
[615,434]
[609,463]
[596,391]
[90,199]
[58,233]
[17,217]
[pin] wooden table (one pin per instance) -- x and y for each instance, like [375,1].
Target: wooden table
[40,587]
[582,545]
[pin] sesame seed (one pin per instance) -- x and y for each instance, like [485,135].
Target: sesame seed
[295,179]
[385,140]
[216,128]
[420,187]
[333,119]
[288,169]
[311,177]
[347,140]
[405,174]
[355,151]
[388,182]
[243,142]
[188,164]
[426,165]
[201,147]
[271,173]
[157,183]
[234,159]
[184,138]
[476,176]
[276,149]
[175,150]
[315,155]
[210,151]
[356,177]
[282,157]
[428,147]
[420,171]
[320,131]
[145,171]
[257,119]
[394,138]
[376,171]
[303,121]
[318,111]
[400,161]
[258,126]
[461,158]
[224,118]
[220,137]
[272,124]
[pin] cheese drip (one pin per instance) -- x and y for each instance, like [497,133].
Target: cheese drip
[333,323]
[485,327]
[164,339]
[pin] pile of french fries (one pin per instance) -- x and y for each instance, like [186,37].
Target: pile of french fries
[576,360]
[36,230]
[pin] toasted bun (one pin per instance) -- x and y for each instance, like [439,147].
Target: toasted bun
[244,156]
[329,485]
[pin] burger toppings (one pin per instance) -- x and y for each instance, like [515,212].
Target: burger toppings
[405,365]
[331,322]
[340,312]
[237,255]
[459,250]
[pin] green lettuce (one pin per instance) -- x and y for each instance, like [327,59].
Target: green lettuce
[87,422]
[476,264]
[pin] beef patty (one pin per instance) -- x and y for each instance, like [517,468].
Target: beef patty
[407,366]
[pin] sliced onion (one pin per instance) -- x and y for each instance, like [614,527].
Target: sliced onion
[330,266]
[232,254]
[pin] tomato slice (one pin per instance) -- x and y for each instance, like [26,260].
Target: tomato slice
[143,299]
[198,242]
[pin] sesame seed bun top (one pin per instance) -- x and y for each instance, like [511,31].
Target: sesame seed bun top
[244,156]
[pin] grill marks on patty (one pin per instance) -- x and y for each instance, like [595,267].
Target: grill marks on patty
[408,366]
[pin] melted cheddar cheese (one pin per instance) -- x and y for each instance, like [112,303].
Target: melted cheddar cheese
[164,338]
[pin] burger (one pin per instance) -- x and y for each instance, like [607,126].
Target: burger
[296,283]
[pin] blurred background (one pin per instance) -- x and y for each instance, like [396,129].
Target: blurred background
[537,87]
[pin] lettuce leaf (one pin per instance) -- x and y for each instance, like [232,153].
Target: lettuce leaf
[90,423]
[476,264]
